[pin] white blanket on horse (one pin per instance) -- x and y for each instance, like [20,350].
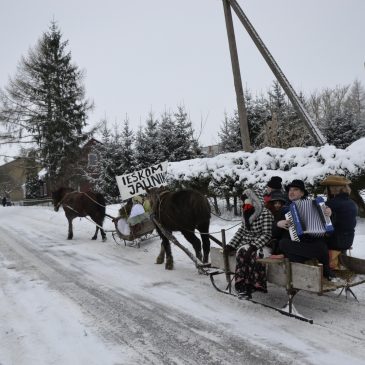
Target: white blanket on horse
[123,227]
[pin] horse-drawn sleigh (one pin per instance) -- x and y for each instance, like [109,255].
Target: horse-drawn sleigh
[186,211]
[291,276]
[137,232]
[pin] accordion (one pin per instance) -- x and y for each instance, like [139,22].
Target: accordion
[307,217]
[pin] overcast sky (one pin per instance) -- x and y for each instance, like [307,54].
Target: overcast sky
[156,54]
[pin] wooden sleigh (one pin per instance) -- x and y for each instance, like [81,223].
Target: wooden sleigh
[138,232]
[281,272]
[293,277]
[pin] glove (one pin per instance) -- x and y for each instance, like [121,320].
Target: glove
[229,250]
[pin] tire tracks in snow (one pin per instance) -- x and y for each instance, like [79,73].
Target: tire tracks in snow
[158,334]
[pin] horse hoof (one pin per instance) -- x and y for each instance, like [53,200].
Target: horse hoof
[169,266]
[93,238]
[104,239]
[159,260]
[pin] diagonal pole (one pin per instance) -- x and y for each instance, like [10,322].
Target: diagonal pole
[303,114]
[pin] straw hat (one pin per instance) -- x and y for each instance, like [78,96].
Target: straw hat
[335,180]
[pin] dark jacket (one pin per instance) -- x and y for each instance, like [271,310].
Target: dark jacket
[344,212]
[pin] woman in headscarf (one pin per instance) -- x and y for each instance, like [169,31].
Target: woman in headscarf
[251,237]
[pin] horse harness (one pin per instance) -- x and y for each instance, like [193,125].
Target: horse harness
[81,192]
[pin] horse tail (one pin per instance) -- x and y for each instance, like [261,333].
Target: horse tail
[101,204]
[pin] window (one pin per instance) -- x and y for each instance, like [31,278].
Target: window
[92,159]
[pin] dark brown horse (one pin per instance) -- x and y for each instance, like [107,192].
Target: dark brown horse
[79,204]
[184,211]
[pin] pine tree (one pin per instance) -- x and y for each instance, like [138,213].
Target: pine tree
[285,129]
[45,102]
[108,166]
[166,137]
[342,130]
[356,101]
[140,149]
[127,161]
[32,184]
[186,147]
[147,146]
[258,113]
[230,135]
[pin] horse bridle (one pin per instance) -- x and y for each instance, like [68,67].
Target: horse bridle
[159,201]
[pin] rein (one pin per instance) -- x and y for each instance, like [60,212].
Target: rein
[90,220]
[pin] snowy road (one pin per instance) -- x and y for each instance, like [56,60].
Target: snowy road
[81,301]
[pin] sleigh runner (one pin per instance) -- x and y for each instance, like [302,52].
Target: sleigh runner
[293,277]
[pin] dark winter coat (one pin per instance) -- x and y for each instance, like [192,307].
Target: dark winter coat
[344,212]
[310,247]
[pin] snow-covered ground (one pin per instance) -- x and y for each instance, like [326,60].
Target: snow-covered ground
[93,302]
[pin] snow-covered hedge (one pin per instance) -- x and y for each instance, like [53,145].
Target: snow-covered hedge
[234,171]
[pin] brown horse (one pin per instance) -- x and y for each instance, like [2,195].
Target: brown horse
[76,204]
[184,211]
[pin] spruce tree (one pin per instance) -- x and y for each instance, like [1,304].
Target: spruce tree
[127,161]
[147,146]
[230,135]
[186,147]
[166,137]
[342,130]
[102,176]
[45,101]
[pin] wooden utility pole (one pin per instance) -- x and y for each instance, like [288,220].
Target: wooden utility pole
[300,109]
[242,114]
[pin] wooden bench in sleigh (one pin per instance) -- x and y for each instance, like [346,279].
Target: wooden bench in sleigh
[138,232]
[293,277]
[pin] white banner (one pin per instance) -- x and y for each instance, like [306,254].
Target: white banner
[136,182]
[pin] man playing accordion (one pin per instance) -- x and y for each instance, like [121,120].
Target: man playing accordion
[310,246]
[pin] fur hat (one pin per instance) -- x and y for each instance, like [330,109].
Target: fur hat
[275,182]
[335,180]
[277,195]
[297,184]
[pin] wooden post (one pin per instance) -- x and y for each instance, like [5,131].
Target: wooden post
[226,261]
[242,114]
[297,104]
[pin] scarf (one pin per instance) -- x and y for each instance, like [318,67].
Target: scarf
[248,210]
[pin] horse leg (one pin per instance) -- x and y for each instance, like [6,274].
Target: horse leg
[95,236]
[161,256]
[70,232]
[169,259]
[165,250]
[204,229]
[99,223]
[195,241]
[103,235]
